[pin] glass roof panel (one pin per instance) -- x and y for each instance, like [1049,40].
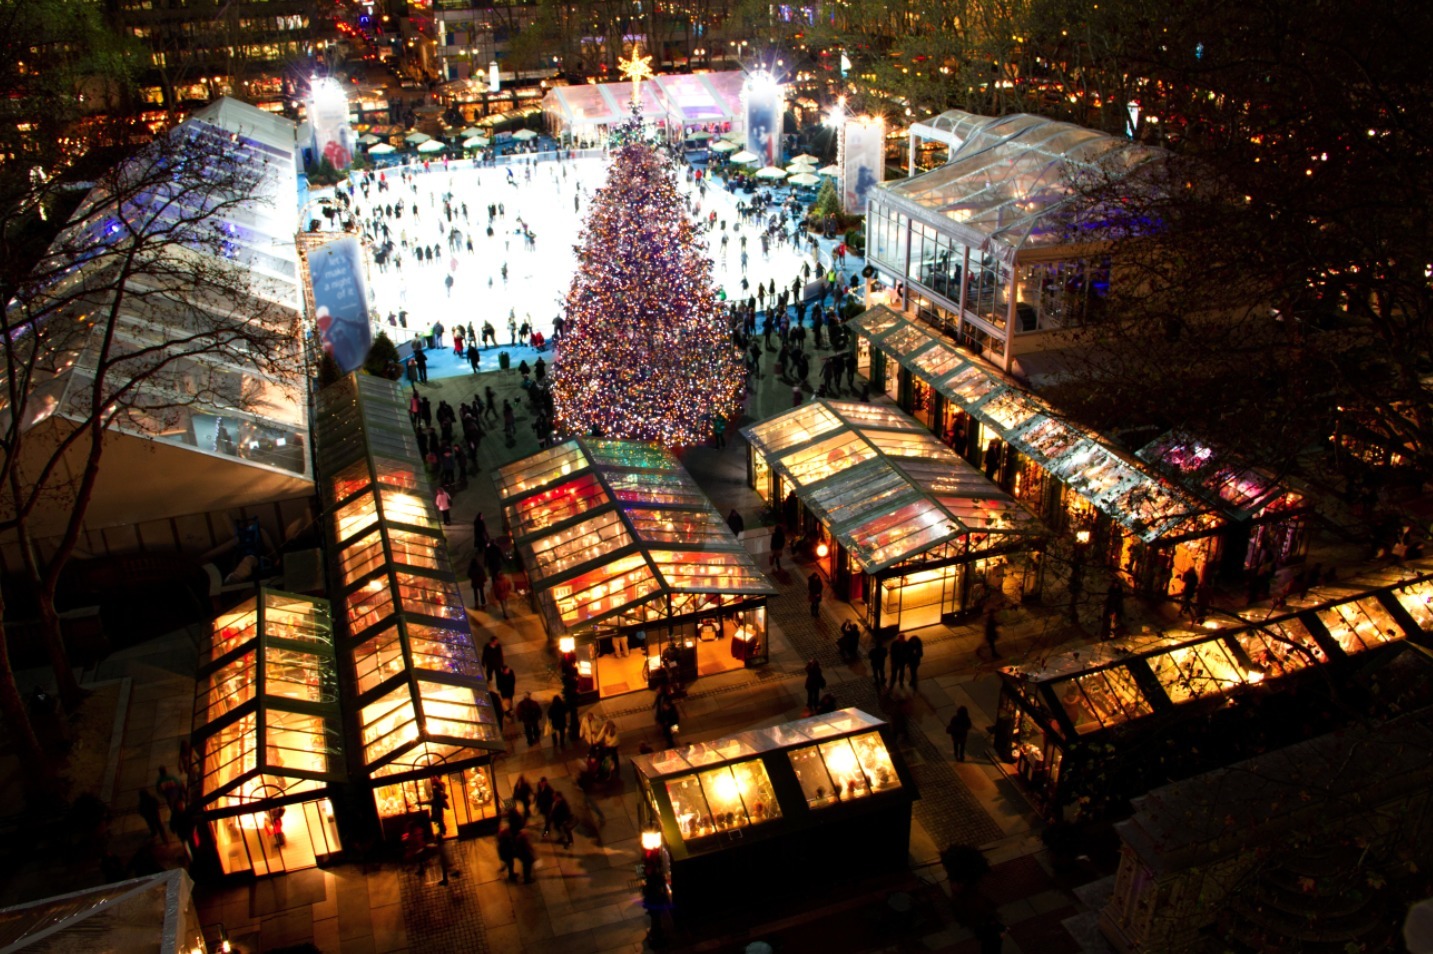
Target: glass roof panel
[938,361]
[805,423]
[896,535]
[811,465]
[606,589]
[922,445]
[875,415]
[629,454]
[905,341]
[969,386]
[537,512]
[566,549]
[667,525]
[876,321]
[697,571]
[540,469]
[858,493]
[673,489]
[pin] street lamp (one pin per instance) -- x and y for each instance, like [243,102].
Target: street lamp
[655,896]
[1077,569]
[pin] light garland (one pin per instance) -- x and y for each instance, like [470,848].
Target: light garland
[646,353]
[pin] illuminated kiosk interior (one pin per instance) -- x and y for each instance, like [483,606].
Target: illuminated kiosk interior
[618,539]
[1139,522]
[776,804]
[1108,695]
[899,523]
[267,734]
[409,661]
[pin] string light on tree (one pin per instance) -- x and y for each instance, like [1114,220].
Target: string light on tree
[646,352]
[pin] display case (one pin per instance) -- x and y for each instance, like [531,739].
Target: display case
[1161,682]
[408,653]
[778,803]
[267,735]
[901,508]
[619,545]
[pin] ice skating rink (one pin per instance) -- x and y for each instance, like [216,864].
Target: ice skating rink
[540,197]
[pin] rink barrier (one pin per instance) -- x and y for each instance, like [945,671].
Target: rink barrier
[436,165]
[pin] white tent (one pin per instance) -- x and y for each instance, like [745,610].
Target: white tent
[743,157]
[524,134]
[368,139]
[416,138]
[475,142]
[724,145]
[804,179]
[431,145]
[382,149]
[771,172]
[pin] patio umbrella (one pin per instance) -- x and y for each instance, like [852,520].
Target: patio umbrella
[804,179]
[724,146]
[809,160]
[431,145]
[743,157]
[832,170]
[368,139]
[524,134]
[417,138]
[771,172]
[699,136]
[796,168]
[470,132]
[475,142]
[382,149]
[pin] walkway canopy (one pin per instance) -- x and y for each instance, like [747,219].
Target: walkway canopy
[409,650]
[1014,183]
[617,532]
[1119,486]
[885,487]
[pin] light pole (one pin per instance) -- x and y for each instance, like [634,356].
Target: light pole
[656,898]
[1077,571]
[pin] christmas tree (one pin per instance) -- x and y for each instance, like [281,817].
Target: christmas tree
[646,352]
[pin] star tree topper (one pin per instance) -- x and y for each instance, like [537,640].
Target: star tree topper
[636,69]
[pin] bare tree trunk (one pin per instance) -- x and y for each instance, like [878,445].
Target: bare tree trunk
[17,720]
[50,628]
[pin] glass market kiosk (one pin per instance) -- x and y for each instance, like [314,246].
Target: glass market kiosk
[408,657]
[619,542]
[267,735]
[766,808]
[1050,718]
[1141,524]
[897,521]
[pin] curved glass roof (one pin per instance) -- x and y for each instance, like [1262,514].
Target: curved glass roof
[886,487]
[618,527]
[1014,182]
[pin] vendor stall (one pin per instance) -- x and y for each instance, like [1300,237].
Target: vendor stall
[1136,522]
[409,660]
[895,520]
[267,735]
[627,557]
[1267,521]
[777,804]
[1181,686]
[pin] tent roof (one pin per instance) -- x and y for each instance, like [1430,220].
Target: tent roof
[1013,183]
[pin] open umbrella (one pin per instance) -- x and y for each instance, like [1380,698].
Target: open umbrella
[431,145]
[368,139]
[524,134]
[796,168]
[809,160]
[417,138]
[470,132]
[475,142]
[724,146]
[832,170]
[771,172]
[382,149]
[804,179]
[743,157]
[699,136]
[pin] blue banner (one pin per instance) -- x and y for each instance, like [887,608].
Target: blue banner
[341,302]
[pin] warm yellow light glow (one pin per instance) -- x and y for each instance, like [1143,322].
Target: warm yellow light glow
[651,840]
[822,550]
[842,760]
[1082,537]
[566,644]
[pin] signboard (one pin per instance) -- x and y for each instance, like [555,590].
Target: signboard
[862,162]
[328,116]
[762,102]
[340,300]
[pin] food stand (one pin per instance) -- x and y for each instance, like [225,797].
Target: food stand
[896,520]
[267,735]
[1266,521]
[1179,682]
[1139,523]
[411,669]
[620,544]
[770,806]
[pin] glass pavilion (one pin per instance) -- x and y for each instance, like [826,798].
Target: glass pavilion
[617,539]
[408,654]
[267,734]
[896,520]
[1140,522]
[1049,716]
[999,247]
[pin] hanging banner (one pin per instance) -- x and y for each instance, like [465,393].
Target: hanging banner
[328,116]
[763,103]
[862,161]
[340,299]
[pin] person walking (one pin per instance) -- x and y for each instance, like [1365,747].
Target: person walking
[514,846]
[521,795]
[848,644]
[149,811]
[492,657]
[444,504]
[992,632]
[529,713]
[813,593]
[169,787]
[876,656]
[437,805]
[557,718]
[915,652]
[778,543]
[900,658]
[667,716]
[507,686]
[561,819]
[735,522]
[815,682]
[542,799]
[958,728]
